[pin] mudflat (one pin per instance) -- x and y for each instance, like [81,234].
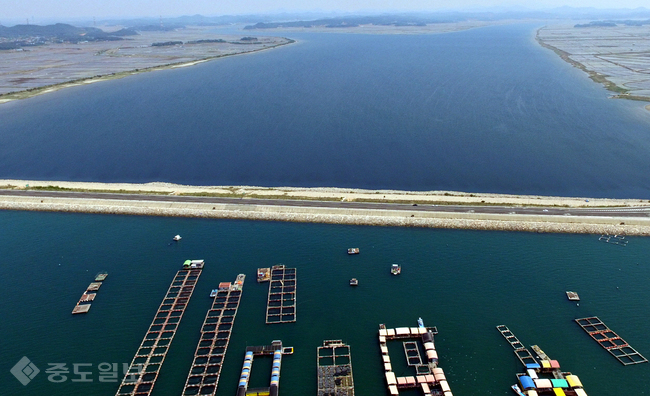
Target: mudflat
[41,69]
[616,56]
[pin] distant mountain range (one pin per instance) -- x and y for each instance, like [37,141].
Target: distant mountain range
[447,17]
[63,32]
[614,22]
[352,21]
[410,18]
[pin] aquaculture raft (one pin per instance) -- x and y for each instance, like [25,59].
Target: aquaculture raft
[542,375]
[83,305]
[143,371]
[263,274]
[204,374]
[614,239]
[276,350]
[523,354]
[572,296]
[609,340]
[281,301]
[428,376]
[334,369]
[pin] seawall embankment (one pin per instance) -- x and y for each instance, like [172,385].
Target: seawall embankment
[372,217]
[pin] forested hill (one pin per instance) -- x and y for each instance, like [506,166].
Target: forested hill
[62,32]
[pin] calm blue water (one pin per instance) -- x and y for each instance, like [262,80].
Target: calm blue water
[464,282]
[486,110]
[483,110]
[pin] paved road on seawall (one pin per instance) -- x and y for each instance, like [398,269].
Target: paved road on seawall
[593,212]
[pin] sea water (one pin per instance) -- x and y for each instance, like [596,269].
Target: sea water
[463,282]
[483,110]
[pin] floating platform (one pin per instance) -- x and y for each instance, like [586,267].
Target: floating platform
[281,301]
[573,296]
[522,353]
[276,350]
[83,305]
[193,264]
[87,297]
[145,366]
[268,350]
[216,330]
[428,376]
[334,362]
[614,239]
[263,275]
[542,375]
[81,308]
[610,341]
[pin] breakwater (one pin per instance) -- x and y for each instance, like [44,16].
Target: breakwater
[372,217]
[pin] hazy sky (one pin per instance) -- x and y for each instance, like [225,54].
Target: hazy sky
[47,9]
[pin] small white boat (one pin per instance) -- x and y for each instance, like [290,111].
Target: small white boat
[177,238]
[214,292]
[395,269]
[354,282]
[420,322]
[518,391]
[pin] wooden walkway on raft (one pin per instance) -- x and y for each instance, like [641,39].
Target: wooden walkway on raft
[143,371]
[334,369]
[523,354]
[204,374]
[609,340]
[281,301]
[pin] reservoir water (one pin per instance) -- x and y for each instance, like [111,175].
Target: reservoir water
[463,282]
[481,110]
[484,110]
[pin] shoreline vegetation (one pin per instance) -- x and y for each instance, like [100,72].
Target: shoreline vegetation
[619,91]
[249,209]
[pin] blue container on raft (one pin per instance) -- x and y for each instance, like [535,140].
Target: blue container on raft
[526,382]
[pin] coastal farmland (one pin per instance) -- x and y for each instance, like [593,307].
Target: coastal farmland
[616,56]
[39,69]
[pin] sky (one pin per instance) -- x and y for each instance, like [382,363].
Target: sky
[37,10]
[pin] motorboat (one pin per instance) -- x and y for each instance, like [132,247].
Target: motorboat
[395,269]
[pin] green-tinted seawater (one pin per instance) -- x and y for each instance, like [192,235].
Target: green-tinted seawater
[463,282]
